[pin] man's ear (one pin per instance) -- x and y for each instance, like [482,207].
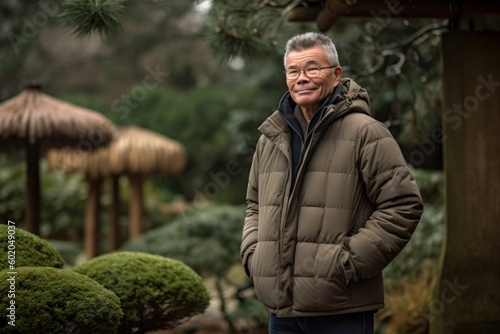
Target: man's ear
[338,74]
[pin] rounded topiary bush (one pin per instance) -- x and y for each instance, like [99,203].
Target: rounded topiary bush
[155,292]
[50,300]
[207,240]
[25,249]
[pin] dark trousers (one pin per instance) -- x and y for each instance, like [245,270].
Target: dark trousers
[354,323]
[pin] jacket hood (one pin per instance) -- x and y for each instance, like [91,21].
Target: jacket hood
[351,98]
[356,98]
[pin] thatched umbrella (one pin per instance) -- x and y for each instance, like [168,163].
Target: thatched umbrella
[136,153]
[36,122]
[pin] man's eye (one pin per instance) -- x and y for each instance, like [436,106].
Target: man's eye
[293,72]
[312,69]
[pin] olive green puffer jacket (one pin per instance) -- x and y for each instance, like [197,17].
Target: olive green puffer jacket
[320,249]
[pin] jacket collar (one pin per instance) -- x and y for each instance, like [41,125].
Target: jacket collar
[352,98]
[287,107]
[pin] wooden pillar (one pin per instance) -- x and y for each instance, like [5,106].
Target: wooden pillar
[32,221]
[467,295]
[113,231]
[91,237]
[136,226]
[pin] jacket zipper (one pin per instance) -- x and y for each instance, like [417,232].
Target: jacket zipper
[286,204]
[305,149]
[301,165]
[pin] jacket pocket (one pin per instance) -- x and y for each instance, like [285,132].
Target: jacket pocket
[328,265]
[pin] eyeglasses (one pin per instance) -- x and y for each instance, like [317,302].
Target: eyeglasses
[310,72]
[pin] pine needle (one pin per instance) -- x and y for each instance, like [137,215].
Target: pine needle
[240,30]
[225,44]
[89,16]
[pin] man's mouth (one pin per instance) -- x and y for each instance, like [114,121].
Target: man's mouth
[304,91]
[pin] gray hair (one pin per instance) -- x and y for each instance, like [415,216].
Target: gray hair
[309,40]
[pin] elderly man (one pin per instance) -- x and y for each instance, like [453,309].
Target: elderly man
[330,200]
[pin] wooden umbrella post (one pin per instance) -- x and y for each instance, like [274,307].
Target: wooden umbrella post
[92,225]
[136,226]
[33,189]
[114,213]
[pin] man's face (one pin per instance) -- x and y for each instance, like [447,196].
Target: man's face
[307,92]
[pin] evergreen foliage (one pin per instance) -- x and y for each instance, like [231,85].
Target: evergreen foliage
[155,292]
[49,300]
[27,249]
[62,202]
[12,191]
[206,239]
[243,28]
[103,16]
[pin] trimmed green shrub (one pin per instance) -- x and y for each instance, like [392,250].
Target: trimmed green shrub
[25,249]
[49,300]
[155,292]
[207,240]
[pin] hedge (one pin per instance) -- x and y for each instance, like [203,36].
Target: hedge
[155,292]
[26,249]
[49,300]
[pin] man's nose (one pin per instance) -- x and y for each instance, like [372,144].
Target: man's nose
[302,76]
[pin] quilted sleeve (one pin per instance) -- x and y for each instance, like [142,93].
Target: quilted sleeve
[250,227]
[394,194]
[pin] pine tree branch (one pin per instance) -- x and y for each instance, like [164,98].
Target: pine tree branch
[88,16]
[245,29]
